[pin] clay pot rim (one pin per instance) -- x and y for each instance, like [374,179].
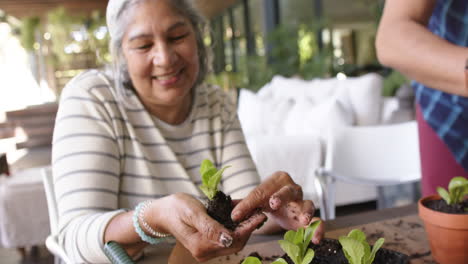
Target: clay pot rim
[450,221]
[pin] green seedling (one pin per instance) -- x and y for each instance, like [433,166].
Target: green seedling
[251,260]
[210,178]
[296,245]
[255,260]
[457,189]
[356,248]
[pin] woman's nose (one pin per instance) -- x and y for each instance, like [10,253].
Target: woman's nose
[163,55]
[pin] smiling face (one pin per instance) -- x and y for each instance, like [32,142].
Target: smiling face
[160,48]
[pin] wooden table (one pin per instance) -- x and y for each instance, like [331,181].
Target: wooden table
[401,227]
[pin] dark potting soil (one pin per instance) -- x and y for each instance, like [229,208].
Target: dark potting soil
[329,251]
[220,209]
[442,206]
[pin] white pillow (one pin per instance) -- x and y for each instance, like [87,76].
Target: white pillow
[365,96]
[273,115]
[259,115]
[306,118]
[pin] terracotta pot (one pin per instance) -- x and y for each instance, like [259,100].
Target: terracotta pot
[447,233]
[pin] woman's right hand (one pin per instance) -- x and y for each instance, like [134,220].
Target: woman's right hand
[186,219]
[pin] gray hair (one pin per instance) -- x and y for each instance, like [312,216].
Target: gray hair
[117,20]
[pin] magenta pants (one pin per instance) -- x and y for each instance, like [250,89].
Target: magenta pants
[438,165]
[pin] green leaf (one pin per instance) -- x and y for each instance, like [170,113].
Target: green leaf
[310,231]
[216,178]
[208,175]
[375,248]
[444,194]
[205,166]
[458,188]
[291,249]
[358,235]
[309,256]
[290,235]
[299,240]
[210,178]
[207,191]
[457,182]
[353,249]
[299,237]
[251,260]
[279,261]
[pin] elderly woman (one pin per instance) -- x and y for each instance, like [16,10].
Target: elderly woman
[135,139]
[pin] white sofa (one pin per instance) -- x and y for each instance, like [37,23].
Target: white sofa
[287,122]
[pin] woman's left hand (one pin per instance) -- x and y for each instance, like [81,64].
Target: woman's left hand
[281,198]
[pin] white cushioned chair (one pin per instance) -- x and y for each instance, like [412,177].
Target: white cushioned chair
[368,155]
[52,242]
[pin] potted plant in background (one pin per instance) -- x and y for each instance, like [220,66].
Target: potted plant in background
[445,217]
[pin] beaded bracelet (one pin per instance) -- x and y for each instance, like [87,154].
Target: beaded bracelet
[156,237]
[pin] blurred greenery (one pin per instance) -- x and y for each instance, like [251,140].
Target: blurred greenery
[393,82]
[78,33]
[294,53]
[64,28]
[28,29]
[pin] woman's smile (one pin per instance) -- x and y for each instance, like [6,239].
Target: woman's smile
[168,79]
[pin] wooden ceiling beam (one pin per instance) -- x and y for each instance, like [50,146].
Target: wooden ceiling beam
[23,8]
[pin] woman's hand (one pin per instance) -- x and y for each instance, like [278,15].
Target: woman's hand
[281,198]
[185,218]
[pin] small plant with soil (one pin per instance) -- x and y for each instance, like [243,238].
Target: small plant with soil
[350,249]
[296,244]
[356,248]
[453,199]
[219,205]
[446,216]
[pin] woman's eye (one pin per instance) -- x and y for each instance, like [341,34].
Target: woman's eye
[142,47]
[179,37]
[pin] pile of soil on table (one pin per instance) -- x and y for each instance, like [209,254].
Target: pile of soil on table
[220,209]
[329,251]
[442,206]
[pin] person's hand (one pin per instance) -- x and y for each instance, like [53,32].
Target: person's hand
[186,219]
[281,198]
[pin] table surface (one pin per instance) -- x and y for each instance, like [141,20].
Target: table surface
[401,227]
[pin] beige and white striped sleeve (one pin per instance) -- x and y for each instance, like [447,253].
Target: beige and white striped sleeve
[86,169]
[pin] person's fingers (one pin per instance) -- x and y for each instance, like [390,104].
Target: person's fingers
[286,194]
[246,227]
[256,199]
[241,235]
[319,232]
[259,197]
[236,201]
[211,230]
[307,212]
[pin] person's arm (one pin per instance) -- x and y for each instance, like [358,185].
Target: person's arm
[405,44]
[86,169]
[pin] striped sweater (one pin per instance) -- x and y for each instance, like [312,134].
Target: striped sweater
[108,156]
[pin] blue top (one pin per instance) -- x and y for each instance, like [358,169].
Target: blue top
[446,113]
